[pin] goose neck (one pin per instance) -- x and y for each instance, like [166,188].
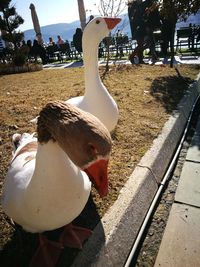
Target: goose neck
[91,70]
[51,163]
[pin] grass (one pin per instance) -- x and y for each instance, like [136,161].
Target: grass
[146,96]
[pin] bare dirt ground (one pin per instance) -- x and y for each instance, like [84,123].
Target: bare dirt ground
[146,96]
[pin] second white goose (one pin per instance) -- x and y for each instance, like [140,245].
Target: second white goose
[96,99]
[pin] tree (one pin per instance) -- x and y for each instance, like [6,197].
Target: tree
[111,8]
[82,13]
[172,10]
[9,22]
[182,8]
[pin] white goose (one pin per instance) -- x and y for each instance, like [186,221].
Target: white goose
[96,99]
[45,187]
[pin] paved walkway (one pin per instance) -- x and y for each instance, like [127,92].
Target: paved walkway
[178,60]
[180,246]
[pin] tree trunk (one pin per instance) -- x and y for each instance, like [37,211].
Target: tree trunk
[82,14]
[172,46]
[107,58]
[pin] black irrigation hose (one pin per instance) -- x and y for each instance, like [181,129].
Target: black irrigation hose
[159,191]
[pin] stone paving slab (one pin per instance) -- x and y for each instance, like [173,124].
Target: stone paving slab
[188,190]
[180,246]
[194,151]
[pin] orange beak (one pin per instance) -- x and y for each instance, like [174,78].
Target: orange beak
[98,174]
[111,22]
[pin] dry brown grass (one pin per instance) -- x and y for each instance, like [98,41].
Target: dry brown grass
[146,96]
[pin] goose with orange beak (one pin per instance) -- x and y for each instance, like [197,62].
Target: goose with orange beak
[96,100]
[46,187]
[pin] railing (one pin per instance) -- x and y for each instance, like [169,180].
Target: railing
[116,46]
[187,37]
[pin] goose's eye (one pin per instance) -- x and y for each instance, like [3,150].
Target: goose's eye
[92,149]
[97,21]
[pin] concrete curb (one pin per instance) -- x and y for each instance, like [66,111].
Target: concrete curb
[113,237]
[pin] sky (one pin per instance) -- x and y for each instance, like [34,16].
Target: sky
[52,11]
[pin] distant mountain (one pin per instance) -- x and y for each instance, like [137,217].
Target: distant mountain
[66,30]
